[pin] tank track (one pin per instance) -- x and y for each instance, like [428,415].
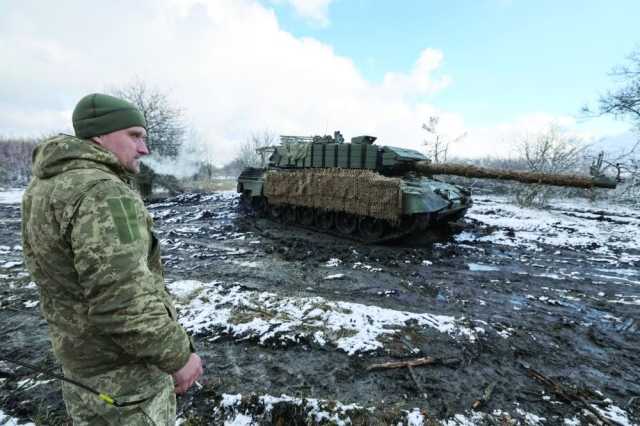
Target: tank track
[365,230]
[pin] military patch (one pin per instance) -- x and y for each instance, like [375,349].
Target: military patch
[125,217]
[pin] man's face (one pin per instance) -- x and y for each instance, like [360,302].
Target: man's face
[128,145]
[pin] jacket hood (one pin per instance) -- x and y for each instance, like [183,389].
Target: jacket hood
[64,152]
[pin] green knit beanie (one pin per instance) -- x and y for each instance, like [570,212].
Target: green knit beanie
[99,114]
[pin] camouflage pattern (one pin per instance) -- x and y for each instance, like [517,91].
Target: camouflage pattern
[87,410]
[88,244]
[355,191]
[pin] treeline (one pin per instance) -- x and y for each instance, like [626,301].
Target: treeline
[542,154]
[15,160]
[16,163]
[207,170]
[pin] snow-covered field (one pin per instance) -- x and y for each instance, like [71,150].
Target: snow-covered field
[232,411]
[289,322]
[607,230]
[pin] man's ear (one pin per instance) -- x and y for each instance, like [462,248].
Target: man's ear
[97,139]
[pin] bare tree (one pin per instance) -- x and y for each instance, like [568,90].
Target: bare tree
[248,155]
[3,175]
[15,159]
[166,130]
[624,101]
[206,170]
[630,190]
[549,151]
[207,166]
[436,142]
[233,168]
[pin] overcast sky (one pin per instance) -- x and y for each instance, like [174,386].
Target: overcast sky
[491,68]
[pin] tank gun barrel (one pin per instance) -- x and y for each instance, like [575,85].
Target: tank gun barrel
[576,181]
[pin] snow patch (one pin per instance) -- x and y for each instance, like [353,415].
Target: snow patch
[11,196]
[479,267]
[316,410]
[473,418]
[334,277]
[530,418]
[275,320]
[360,265]
[235,411]
[7,420]
[185,288]
[247,264]
[615,414]
[240,420]
[9,265]
[31,303]
[415,418]
[626,300]
[333,262]
[31,383]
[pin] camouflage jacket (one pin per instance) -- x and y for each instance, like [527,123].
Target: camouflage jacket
[89,246]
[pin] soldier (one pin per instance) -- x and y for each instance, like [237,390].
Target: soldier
[89,245]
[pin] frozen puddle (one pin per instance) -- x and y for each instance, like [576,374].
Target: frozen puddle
[274,320]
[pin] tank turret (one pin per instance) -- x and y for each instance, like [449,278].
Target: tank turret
[367,192]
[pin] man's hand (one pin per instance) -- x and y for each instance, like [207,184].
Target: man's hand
[187,375]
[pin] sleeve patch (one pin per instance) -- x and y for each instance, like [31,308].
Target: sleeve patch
[125,217]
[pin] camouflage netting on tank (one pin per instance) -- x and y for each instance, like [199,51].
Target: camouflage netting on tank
[361,192]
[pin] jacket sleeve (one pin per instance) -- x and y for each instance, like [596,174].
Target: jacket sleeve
[110,243]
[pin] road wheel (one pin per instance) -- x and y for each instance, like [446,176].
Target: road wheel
[243,204]
[305,216]
[259,206]
[325,219]
[346,223]
[372,229]
[276,211]
[289,215]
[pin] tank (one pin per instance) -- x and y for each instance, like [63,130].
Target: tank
[363,191]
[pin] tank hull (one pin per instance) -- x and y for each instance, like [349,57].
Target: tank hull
[355,204]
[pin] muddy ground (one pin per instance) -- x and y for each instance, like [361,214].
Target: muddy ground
[548,331]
